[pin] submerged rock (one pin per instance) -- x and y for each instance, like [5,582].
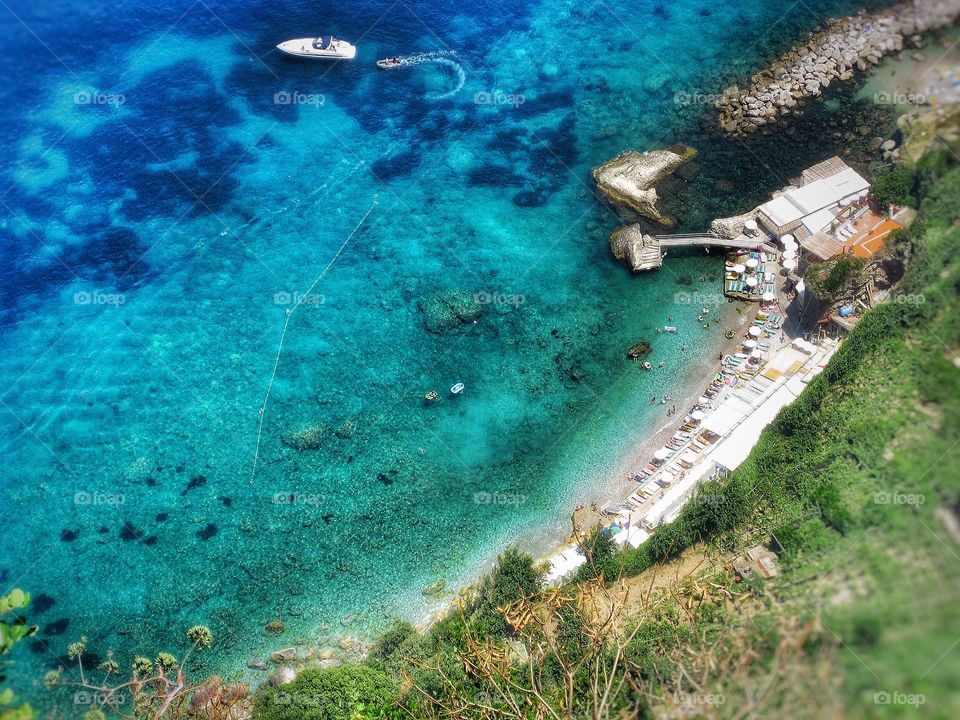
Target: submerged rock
[309,437]
[435,588]
[285,655]
[629,179]
[448,310]
[639,350]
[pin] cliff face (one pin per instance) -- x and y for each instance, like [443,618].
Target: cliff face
[629,179]
[833,54]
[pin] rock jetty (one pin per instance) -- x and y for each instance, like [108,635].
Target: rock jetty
[835,53]
[628,180]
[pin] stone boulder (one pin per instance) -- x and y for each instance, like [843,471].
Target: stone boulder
[730,227]
[629,179]
[448,310]
[629,244]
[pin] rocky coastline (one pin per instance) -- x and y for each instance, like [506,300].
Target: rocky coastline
[836,53]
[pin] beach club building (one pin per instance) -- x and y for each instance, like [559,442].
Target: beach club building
[820,213]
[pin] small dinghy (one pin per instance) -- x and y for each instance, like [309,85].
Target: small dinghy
[647,366]
[670,329]
[457,389]
[388,63]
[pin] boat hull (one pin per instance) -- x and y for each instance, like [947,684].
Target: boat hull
[303,48]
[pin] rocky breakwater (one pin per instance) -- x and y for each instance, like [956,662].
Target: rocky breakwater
[629,182]
[835,53]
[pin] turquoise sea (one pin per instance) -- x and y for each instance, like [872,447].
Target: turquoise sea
[171,188]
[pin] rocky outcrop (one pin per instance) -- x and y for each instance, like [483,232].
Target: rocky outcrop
[446,311]
[629,244]
[837,53]
[730,227]
[628,180]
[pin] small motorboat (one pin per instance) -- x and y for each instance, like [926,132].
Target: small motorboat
[324,47]
[670,329]
[647,366]
[388,63]
[457,389]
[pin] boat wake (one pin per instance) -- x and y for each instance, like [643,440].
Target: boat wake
[458,71]
[440,57]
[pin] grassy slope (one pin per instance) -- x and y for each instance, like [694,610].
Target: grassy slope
[850,477]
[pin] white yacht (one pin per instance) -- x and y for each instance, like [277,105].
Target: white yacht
[324,47]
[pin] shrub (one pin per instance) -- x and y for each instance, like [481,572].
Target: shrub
[895,188]
[513,577]
[349,692]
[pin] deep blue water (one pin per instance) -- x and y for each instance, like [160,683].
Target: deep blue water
[161,207]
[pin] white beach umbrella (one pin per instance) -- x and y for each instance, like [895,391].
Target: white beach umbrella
[768,297]
[697,415]
[754,331]
[790,264]
[790,254]
[750,225]
[661,454]
[749,344]
[751,282]
[752,264]
[756,355]
[787,238]
[738,268]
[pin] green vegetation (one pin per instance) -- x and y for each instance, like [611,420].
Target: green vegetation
[13,630]
[352,692]
[894,188]
[828,278]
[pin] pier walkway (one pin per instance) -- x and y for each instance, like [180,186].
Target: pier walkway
[741,242]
